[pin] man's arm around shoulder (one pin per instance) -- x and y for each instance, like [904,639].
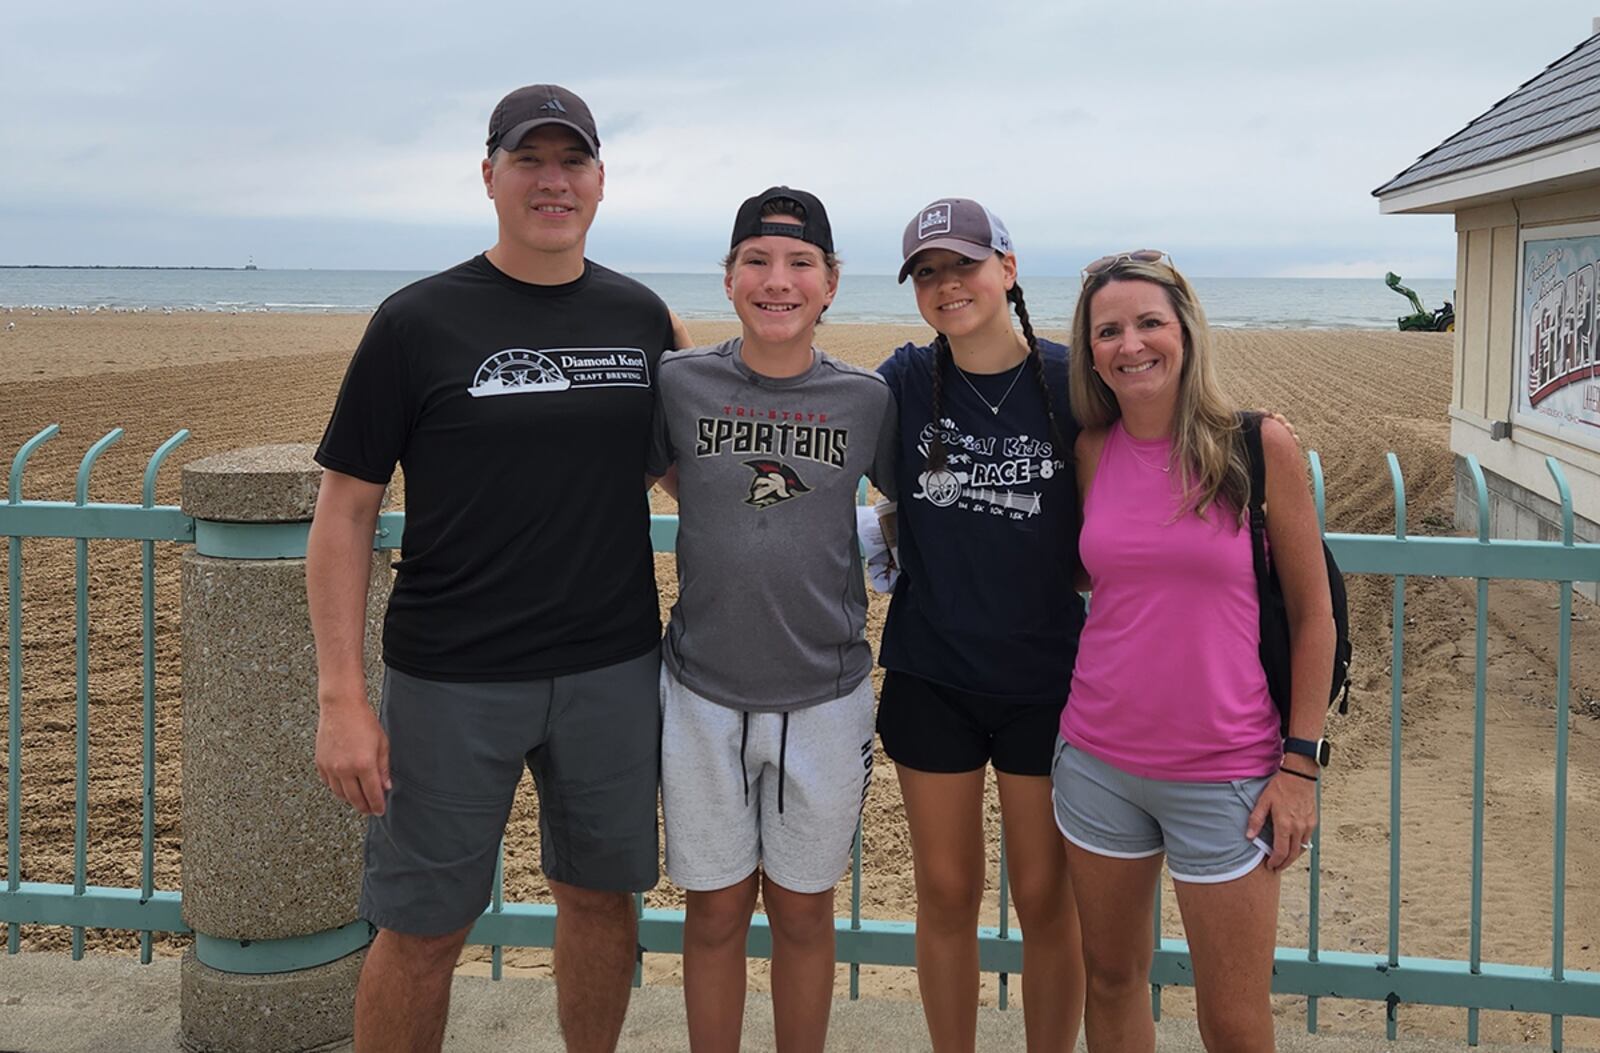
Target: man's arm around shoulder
[352,750]
[680,333]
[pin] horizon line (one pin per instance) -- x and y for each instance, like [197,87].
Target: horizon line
[704,273]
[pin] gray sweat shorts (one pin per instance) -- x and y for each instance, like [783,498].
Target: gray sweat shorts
[456,754]
[1199,825]
[782,790]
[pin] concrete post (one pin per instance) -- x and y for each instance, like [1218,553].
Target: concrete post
[271,860]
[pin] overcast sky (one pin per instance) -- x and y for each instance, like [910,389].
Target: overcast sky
[1243,137]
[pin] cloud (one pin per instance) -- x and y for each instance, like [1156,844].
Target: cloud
[1231,131]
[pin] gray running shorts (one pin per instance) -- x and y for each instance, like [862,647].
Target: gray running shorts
[784,790]
[456,753]
[1200,825]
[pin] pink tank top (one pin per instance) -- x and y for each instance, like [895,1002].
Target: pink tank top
[1168,682]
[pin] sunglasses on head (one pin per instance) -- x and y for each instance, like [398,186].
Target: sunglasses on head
[1105,263]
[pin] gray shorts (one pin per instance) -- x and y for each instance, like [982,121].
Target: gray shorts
[1200,825]
[783,790]
[456,753]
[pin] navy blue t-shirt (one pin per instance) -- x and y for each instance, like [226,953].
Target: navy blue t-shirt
[985,601]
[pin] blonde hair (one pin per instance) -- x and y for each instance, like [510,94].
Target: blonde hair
[1207,448]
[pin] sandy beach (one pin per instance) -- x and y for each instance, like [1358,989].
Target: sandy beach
[1352,395]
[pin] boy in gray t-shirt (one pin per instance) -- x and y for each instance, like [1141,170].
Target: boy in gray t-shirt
[767,700]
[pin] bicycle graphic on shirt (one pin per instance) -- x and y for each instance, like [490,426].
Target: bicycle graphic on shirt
[951,484]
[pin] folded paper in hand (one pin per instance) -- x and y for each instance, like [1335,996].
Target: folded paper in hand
[882,566]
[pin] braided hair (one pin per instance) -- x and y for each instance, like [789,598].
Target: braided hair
[936,452]
[941,353]
[1058,448]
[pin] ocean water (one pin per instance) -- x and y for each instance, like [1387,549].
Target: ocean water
[1318,303]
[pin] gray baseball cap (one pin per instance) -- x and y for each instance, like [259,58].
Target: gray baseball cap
[527,108]
[955,223]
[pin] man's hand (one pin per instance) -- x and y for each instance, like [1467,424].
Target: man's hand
[352,750]
[353,755]
[680,333]
[1281,419]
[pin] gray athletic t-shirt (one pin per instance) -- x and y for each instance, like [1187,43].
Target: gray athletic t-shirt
[772,606]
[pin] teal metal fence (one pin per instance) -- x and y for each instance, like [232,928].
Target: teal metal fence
[1391,978]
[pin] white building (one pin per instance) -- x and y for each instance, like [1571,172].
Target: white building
[1523,181]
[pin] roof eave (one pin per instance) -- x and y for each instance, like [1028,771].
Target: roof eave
[1567,165]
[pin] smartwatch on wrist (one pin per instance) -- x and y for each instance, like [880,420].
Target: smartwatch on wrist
[1316,749]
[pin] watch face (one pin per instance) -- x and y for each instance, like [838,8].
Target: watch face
[1323,749]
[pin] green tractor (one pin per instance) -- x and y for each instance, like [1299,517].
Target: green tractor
[1441,321]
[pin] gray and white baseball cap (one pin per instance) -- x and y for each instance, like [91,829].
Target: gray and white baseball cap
[955,223]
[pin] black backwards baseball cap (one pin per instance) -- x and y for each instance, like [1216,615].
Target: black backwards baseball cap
[527,108]
[814,228]
[955,223]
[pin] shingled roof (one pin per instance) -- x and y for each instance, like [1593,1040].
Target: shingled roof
[1561,103]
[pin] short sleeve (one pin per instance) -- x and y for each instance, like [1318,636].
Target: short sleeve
[882,472]
[372,416]
[660,455]
[889,370]
[1062,403]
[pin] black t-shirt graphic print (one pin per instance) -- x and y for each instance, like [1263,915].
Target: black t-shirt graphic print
[520,415]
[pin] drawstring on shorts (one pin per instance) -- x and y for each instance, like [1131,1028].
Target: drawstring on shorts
[744,741]
[783,750]
[783,753]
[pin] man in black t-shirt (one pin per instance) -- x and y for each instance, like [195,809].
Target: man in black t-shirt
[515,390]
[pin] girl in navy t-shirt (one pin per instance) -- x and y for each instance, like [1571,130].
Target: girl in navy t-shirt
[983,627]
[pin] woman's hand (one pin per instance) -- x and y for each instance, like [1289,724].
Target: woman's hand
[1289,801]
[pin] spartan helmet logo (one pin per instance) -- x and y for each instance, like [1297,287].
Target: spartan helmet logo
[774,482]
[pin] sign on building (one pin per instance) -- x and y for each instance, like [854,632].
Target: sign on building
[1558,333]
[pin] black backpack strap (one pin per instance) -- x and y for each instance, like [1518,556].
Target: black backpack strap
[1250,429]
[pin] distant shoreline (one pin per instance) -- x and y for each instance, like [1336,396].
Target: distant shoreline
[109,267]
[866,298]
[652,274]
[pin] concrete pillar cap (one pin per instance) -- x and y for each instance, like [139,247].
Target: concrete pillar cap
[260,484]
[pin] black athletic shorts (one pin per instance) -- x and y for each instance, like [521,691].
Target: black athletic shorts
[934,728]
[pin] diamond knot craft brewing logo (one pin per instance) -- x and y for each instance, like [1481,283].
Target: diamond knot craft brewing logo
[935,220]
[521,370]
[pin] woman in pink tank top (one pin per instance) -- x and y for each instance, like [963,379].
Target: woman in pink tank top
[1170,744]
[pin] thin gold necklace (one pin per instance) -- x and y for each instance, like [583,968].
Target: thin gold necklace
[1133,448]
